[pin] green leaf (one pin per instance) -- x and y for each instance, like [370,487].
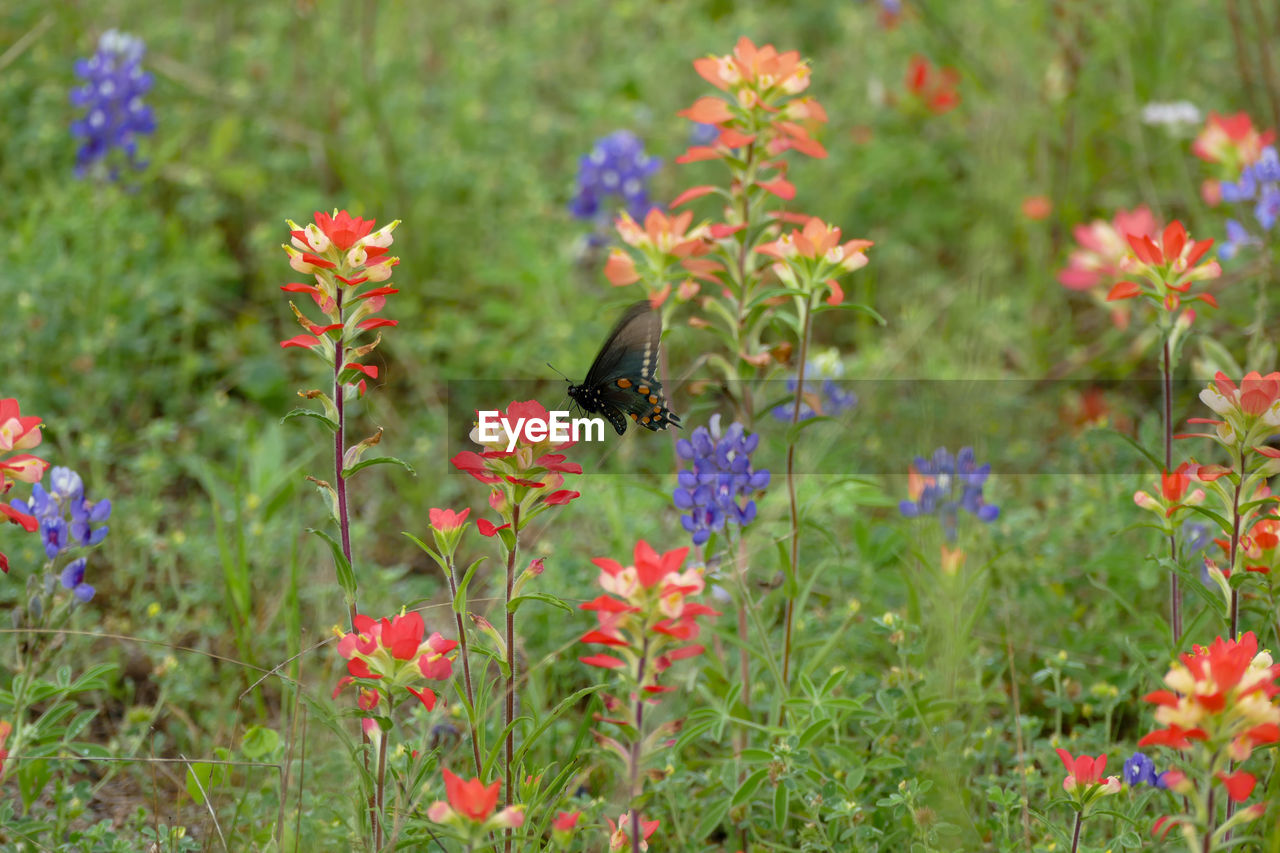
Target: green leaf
[440,561]
[885,761]
[1114,433]
[308,413]
[748,787]
[346,575]
[556,712]
[711,818]
[460,599]
[514,604]
[259,741]
[1208,513]
[814,730]
[793,431]
[781,801]
[852,306]
[378,460]
[203,778]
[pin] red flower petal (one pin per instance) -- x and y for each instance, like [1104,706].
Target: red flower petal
[1239,784]
[690,194]
[1124,290]
[780,187]
[426,696]
[603,661]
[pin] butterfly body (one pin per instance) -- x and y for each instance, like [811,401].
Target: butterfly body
[620,383]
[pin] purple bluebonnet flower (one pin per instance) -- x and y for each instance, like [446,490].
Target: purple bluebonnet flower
[1260,184]
[67,518]
[1195,536]
[1237,238]
[1140,770]
[821,380]
[73,579]
[615,174]
[945,484]
[111,96]
[703,134]
[720,478]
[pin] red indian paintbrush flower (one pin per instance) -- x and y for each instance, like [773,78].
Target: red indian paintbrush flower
[816,253]
[1220,704]
[1085,772]
[647,614]
[344,254]
[1172,495]
[665,242]
[517,454]
[395,653]
[1168,269]
[18,433]
[620,832]
[759,110]
[1250,412]
[1222,694]
[934,87]
[1231,141]
[470,806]
[1095,265]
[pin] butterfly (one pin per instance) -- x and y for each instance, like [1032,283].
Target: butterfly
[621,380]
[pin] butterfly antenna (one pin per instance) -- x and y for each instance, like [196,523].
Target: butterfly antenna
[562,376]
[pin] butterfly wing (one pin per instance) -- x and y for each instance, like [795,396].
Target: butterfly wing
[621,381]
[631,348]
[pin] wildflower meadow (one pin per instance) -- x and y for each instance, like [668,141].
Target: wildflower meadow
[687,426]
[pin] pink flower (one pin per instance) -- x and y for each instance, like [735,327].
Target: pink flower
[1102,248]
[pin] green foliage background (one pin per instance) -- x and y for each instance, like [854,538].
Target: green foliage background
[141,322]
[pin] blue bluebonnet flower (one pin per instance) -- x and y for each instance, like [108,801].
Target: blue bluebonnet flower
[1196,536]
[703,134]
[1140,770]
[617,169]
[67,518]
[721,477]
[944,484]
[111,96]
[1259,183]
[1237,238]
[821,382]
[73,579]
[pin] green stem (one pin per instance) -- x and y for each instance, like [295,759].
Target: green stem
[791,494]
[381,789]
[466,663]
[1075,837]
[339,447]
[745,403]
[1175,592]
[509,711]
[636,838]
[1235,546]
